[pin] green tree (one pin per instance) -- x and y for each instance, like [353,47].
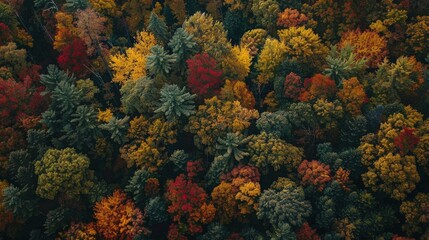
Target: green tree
[159,62]
[176,102]
[158,27]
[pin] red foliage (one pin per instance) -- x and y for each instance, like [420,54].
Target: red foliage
[318,86]
[314,173]
[193,168]
[18,99]
[74,57]
[174,233]
[188,204]
[307,233]
[292,86]
[397,237]
[235,236]
[5,34]
[203,77]
[406,141]
[246,172]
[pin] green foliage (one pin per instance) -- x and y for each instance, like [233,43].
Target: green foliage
[138,95]
[179,158]
[232,147]
[74,179]
[285,207]
[176,102]
[159,62]
[158,27]
[74,5]
[183,46]
[20,201]
[215,231]
[156,210]
[54,77]
[343,64]
[117,129]
[275,123]
[57,220]
[136,185]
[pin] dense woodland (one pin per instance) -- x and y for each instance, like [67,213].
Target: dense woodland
[214,120]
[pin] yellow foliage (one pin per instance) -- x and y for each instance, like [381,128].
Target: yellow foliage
[215,119]
[106,7]
[304,45]
[416,213]
[418,36]
[273,53]
[246,197]
[209,34]
[237,90]
[138,128]
[104,116]
[253,40]
[132,64]
[224,200]
[388,171]
[271,102]
[236,64]
[65,30]
[328,112]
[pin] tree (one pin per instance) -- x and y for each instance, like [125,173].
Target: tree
[367,45]
[267,150]
[304,45]
[284,207]
[204,78]
[388,171]
[417,35]
[75,5]
[176,102]
[159,62]
[253,40]
[272,54]
[275,123]
[73,57]
[117,128]
[343,63]
[237,91]
[209,34]
[131,65]
[266,12]
[307,233]
[189,205]
[91,29]
[314,173]
[352,95]
[318,86]
[236,64]
[74,179]
[137,96]
[77,231]
[183,46]
[231,147]
[416,213]
[291,18]
[118,218]
[6,216]
[218,118]
[158,27]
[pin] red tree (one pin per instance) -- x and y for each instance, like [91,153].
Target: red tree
[318,86]
[406,141]
[6,34]
[292,86]
[307,233]
[203,77]
[73,57]
[188,205]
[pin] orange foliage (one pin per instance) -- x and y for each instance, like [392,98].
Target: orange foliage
[314,173]
[291,18]
[318,86]
[353,95]
[367,44]
[238,91]
[118,217]
[342,177]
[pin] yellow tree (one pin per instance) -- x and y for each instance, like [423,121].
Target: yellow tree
[273,53]
[132,64]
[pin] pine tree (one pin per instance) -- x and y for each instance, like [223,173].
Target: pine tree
[158,27]
[176,102]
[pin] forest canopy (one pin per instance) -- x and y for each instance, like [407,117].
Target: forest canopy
[214,120]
